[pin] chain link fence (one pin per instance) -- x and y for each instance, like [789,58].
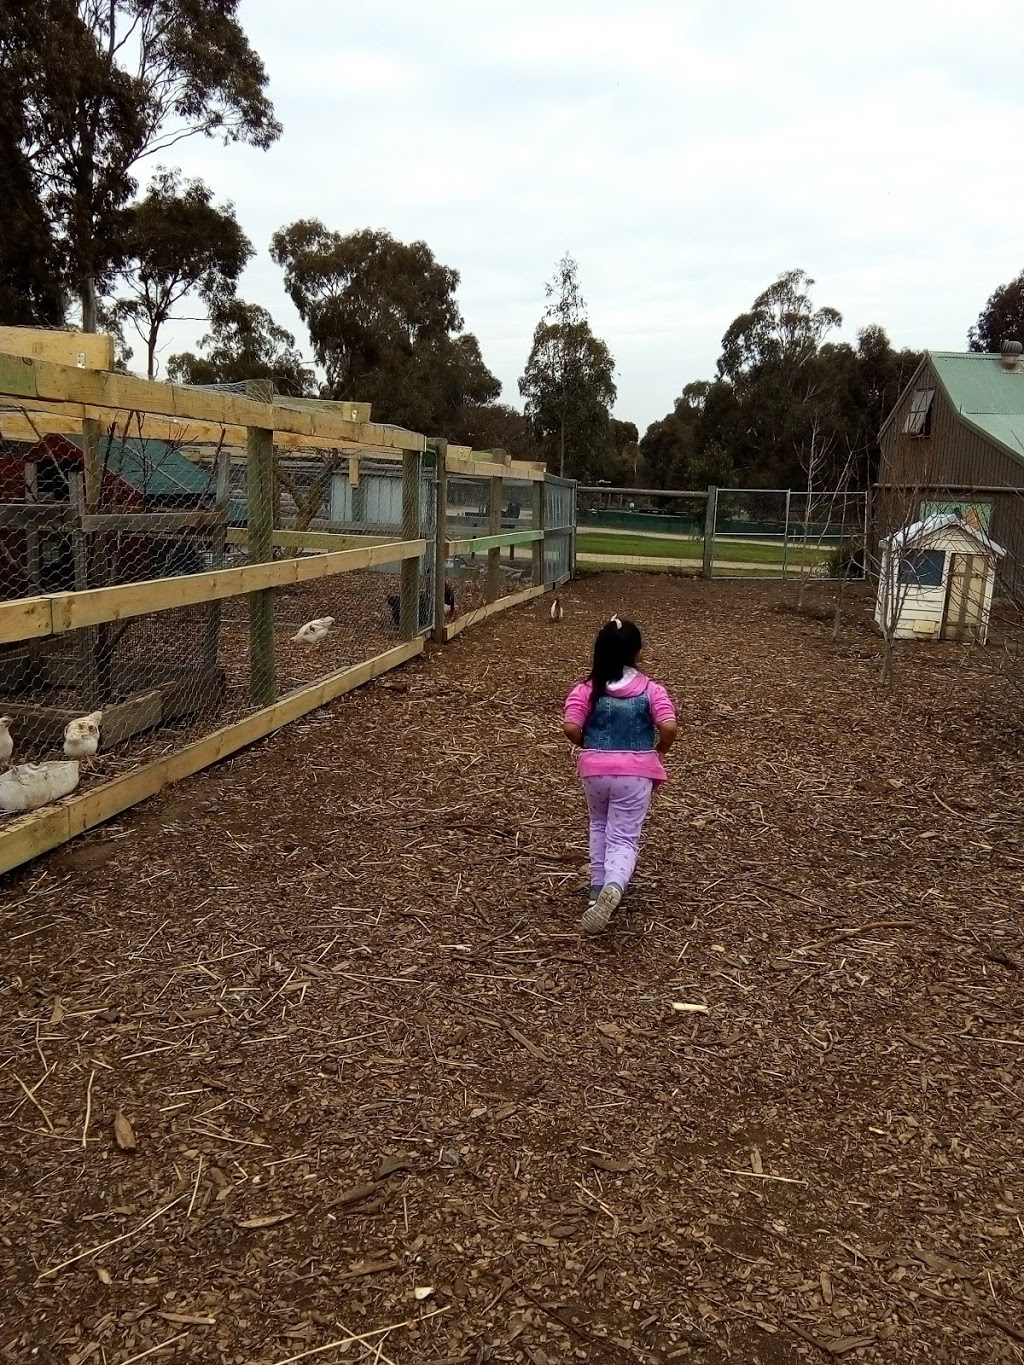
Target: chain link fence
[773,533]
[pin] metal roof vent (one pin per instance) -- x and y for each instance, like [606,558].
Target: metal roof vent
[1010,355]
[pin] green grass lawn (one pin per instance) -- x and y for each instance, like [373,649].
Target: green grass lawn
[682,547]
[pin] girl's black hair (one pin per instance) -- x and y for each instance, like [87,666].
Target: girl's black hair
[617,645]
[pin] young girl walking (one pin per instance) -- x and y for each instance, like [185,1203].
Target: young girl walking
[623,724]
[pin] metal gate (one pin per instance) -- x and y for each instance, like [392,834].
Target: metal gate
[778,533]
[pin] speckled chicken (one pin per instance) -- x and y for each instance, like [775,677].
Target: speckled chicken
[82,735]
[313,631]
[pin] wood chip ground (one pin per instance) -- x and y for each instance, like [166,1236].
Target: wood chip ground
[305,1059]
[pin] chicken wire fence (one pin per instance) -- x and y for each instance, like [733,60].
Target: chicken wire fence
[159,511]
[478,506]
[779,533]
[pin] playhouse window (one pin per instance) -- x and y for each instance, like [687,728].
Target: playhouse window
[919,419]
[923,568]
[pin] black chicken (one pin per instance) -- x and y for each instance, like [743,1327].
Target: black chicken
[395,604]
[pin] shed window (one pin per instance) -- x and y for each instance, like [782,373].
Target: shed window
[919,419]
[923,568]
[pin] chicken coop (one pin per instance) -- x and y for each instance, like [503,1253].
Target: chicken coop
[937,580]
[154,515]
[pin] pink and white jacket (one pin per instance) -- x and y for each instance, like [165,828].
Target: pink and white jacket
[604,762]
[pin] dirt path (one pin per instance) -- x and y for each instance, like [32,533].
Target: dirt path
[337,989]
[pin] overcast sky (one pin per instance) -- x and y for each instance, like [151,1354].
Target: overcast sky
[685,151]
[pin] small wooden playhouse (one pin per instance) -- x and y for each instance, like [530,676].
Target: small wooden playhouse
[937,579]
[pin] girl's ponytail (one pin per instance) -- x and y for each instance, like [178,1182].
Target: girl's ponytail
[618,643]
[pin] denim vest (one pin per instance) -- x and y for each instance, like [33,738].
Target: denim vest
[621,724]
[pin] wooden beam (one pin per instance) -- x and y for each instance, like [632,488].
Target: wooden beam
[409,613]
[477,544]
[492,587]
[35,418]
[481,614]
[259,487]
[22,379]
[30,835]
[702,496]
[84,350]
[351,412]
[36,514]
[312,540]
[440,544]
[151,523]
[30,618]
[487,469]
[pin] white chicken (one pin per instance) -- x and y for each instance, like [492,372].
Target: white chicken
[313,631]
[556,609]
[82,736]
[32,785]
[6,743]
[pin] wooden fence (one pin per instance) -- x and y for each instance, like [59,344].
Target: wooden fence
[43,398]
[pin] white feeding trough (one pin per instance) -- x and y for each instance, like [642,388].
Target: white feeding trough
[936,581]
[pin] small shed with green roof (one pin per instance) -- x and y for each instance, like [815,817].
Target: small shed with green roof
[954,444]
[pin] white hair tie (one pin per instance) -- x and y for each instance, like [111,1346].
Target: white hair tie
[614,621]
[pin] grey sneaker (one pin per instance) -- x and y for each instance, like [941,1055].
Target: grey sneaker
[598,915]
[592,896]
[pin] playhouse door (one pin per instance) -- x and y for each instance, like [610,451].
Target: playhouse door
[965,603]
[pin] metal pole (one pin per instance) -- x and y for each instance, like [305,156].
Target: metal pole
[710,516]
[440,535]
[785,542]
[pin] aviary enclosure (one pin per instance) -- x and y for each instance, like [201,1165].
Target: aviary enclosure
[161,548]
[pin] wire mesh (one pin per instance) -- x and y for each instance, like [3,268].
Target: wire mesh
[477,577]
[560,523]
[778,533]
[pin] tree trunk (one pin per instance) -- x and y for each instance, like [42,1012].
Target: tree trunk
[89,322]
[151,354]
[887,643]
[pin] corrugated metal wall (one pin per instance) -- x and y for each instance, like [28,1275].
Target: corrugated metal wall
[915,469]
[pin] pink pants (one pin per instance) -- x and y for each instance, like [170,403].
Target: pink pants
[618,808]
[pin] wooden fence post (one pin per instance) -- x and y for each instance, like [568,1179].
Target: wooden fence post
[259,446]
[409,617]
[493,590]
[710,514]
[440,536]
[539,524]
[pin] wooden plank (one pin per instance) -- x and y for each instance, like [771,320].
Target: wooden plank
[486,469]
[121,720]
[30,835]
[481,614]
[409,613]
[35,418]
[50,515]
[702,496]
[352,412]
[539,521]
[84,350]
[492,587]
[477,544]
[27,379]
[151,523]
[30,618]
[312,540]
[260,517]
[440,545]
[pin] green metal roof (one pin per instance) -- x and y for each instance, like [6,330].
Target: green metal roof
[154,468]
[985,394]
